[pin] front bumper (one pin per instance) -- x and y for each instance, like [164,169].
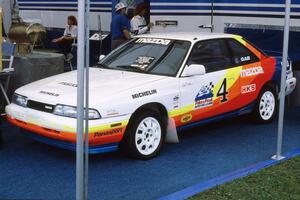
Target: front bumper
[290,85]
[72,146]
[101,132]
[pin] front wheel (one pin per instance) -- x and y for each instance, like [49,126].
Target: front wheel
[266,106]
[145,135]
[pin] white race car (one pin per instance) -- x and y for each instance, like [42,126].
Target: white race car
[150,88]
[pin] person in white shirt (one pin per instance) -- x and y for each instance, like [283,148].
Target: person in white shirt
[138,22]
[70,34]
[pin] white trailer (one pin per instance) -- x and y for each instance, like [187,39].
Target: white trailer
[188,15]
[261,20]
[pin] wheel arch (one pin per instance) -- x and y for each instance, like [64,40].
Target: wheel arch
[273,84]
[126,142]
[154,106]
[256,115]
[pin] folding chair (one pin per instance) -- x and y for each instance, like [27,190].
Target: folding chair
[74,53]
[8,51]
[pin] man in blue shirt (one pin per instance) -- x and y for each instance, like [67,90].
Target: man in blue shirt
[120,26]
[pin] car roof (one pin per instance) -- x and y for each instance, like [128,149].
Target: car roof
[188,36]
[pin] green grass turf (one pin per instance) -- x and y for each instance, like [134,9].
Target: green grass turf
[278,182]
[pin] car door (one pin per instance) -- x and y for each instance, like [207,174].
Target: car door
[252,75]
[212,94]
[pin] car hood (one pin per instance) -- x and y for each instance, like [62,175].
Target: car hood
[104,84]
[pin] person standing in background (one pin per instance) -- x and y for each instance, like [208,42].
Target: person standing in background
[120,26]
[138,22]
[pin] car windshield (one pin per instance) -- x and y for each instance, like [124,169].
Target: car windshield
[148,55]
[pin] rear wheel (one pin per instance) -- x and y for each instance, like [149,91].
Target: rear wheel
[145,135]
[266,106]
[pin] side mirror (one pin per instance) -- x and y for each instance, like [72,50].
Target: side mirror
[101,57]
[194,70]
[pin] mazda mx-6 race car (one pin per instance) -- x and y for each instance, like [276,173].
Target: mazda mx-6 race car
[152,86]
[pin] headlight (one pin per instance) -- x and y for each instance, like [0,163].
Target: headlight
[19,100]
[71,111]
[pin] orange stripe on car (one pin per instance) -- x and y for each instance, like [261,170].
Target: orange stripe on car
[112,135]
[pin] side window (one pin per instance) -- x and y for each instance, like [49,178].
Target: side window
[173,60]
[213,54]
[240,54]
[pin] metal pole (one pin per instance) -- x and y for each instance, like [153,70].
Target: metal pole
[100,33]
[212,15]
[80,102]
[87,64]
[278,155]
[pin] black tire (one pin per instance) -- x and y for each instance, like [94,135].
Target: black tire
[129,144]
[258,114]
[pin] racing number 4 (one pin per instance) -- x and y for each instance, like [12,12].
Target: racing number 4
[223,91]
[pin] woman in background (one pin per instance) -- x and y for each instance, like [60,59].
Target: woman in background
[138,22]
[65,42]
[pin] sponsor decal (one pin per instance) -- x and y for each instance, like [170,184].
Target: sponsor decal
[143,62]
[166,23]
[204,97]
[176,101]
[246,58]
[68,84]
[116,125]
[248,88]
[49,107]
[108,132]
[186,84]
[153,41]
[112,112]
[252,71]
[49,93]
[143,94]
[186,118]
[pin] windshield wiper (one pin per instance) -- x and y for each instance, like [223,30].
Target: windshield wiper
[129,67]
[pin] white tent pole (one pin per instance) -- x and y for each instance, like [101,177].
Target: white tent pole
[212,15]
[80,102]
[278,155]
[87,64]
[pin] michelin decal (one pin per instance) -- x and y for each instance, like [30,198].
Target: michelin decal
[144,94]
